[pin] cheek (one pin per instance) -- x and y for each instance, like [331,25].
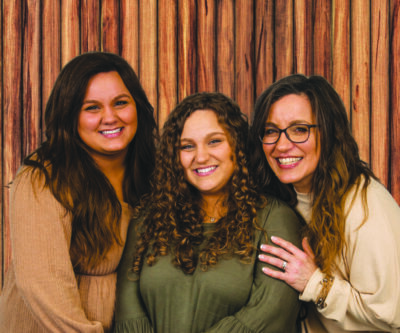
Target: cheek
[267,151]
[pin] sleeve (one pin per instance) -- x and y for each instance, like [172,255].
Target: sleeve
[44,274]
[130,312]
[273,306]
[365,294]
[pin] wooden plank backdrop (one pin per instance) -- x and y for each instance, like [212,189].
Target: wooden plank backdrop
[178,47]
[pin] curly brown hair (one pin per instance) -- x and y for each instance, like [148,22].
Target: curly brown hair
[174,215]
[338,170]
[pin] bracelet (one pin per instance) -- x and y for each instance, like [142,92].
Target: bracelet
[326,282]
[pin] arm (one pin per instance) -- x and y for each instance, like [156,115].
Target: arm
[273,305]
[130,312]
[366,291]
[44,274]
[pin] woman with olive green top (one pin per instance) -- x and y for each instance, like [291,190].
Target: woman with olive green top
[190,262]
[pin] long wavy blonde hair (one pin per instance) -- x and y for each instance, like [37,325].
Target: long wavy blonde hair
[339,169]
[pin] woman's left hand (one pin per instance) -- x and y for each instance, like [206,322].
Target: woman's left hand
[295,266]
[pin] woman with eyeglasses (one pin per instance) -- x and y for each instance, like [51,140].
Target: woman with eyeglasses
[348,270]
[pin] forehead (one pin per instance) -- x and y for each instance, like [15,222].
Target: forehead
[291,108]
[200,123]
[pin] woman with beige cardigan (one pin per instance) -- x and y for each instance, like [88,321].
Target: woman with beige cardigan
[70,202]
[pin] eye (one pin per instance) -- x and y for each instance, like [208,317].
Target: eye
[299,129]
[187,147]
[91,107]
[121,102]
[271,131]
[214,142]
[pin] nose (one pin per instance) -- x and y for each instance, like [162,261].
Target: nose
[202,154]
[283,143]
[109,115]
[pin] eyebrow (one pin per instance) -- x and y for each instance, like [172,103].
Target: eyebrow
[294,122]
[207,136]
[89,101]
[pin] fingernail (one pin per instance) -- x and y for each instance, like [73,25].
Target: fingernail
[261,257]
[262,247]
[273,238]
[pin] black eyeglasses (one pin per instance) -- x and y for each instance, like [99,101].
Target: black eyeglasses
[297,133]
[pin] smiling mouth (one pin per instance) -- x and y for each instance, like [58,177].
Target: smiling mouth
[205,171]
[117,130]
[289,160]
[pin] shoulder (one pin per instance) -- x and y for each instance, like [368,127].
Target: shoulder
[378,214]
[279,219]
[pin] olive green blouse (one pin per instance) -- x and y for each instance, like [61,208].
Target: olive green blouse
[230,297]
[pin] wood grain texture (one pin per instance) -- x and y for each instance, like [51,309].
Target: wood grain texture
[12,108]
[31,115]
[206,59]
[395,100]
[303,37]
[380,92]
[225,47]
[244,55]
[360,74]
[283,38]
[187,44]
[129,17]
[341,51]
[264,45]
[148,50]
[322,38]
[167,58]
[90,25]
[169,43]
[110,26]
[70,30]
[51,48]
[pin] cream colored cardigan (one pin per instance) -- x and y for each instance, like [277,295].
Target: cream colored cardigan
[41,292]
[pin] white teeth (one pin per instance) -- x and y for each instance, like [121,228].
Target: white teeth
[289,160]
[112,131]
[205,170]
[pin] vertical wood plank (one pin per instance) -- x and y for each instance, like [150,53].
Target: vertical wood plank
[129,16]
[12,108]
[187,44]
[264,45]
[51,48]
[167,58]
[341,51]
[322,38]
[360,73]
[225,47]
[70,27]
[90,25]
[206,45]
[2,161]
[244,55]
[303,37]
[395,100]
[283,38]
[148,50]
[380,107]
[31,78]
[110,26]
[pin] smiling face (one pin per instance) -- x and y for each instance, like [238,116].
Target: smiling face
[206,154]
[293,163]
[107,121]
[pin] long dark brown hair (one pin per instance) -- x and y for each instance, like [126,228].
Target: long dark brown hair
[174,214]
[71,173]
[338,170]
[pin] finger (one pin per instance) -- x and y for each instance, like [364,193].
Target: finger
[307,248]
[286,245]
[276,251]
[274,274]
[278,263]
